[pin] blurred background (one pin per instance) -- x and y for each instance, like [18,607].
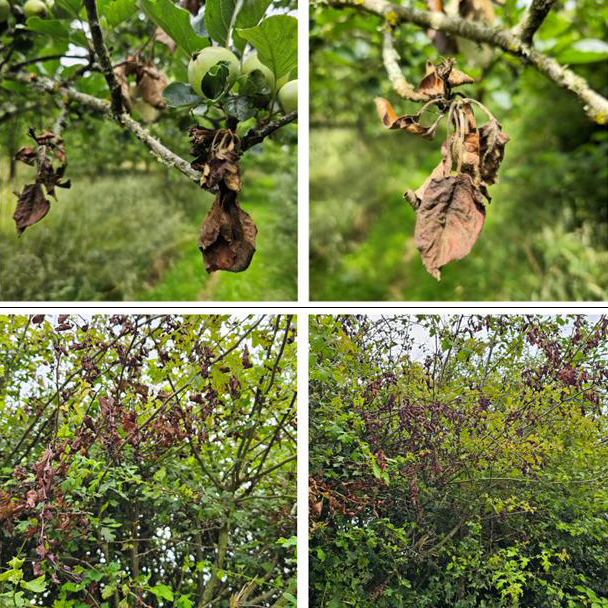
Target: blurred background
[546,230]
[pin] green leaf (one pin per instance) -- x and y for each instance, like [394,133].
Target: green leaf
[117,11]
[376,471]
[256,88]
[219,15]
[16,563]
[588,50]
[250,14]
[179,94]
[175,22]
[275,40]
[215,82]
[36,585]
[50,27]
[239,106]
[200,110]
[108,591]
[162,591]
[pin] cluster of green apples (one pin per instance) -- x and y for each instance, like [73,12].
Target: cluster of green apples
[204,60]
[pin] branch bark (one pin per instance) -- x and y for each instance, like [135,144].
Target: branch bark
[161,152]
[255,136]
[104,59]
[390,58]
[595,105]
[533,19]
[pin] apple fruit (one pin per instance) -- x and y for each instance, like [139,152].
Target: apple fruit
[205,59]
[35,8]
[252,63]
[288,96]
[5,10]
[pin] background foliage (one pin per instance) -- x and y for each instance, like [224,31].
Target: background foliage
[147,461]
[458,461]
[546,234]
[128,228]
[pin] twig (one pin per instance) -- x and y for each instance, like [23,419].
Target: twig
[104,59]
[532,20]
[255,136]
[595,105]
[17,66]
[390,58]
[162,153]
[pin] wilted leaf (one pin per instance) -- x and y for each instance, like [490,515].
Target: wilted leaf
[431,85]
[161,36]
[492,150]
[227,239]
[150,84]
[32,206]
[408,123]
[26,155]
[448,221]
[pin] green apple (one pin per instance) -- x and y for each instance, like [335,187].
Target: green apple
[35,8]
[204,60]
[145,111]
[5,10]
[252,63]
[288,96]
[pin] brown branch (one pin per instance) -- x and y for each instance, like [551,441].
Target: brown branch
[161,152]
[255,136]
[595,105]
[104,60]
[532,20]
[390,58]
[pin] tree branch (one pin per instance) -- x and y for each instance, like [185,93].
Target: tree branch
[532,20]
[162,153]
[255,136]
[390,57]
[595,105]
[104,59]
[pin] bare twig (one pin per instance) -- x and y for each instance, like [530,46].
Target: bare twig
[390,57]
[104,59]
[532,20]
[595,105]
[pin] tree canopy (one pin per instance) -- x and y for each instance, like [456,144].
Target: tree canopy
[459,461]
[147,461]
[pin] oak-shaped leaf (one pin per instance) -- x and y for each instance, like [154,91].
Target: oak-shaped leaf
[32,206]
[408,123]
[492,150]
[448,221]
[227,239]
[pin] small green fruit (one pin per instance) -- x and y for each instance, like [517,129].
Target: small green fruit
[253,63]
[35,8]
[5,10]
[145,111]
[288,96]
[204,60]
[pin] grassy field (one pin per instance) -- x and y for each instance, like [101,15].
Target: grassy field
[132,236]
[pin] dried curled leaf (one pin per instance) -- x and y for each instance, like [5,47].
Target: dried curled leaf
[438,79]
[448,221]
[227,239]
[408,123]
[151,83]
[32,206]
[217,154]
[492,150]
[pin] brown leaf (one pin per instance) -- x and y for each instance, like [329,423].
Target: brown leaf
[26,155]
[120,73]
[448,221]
[150,86]
[458,78]
[408,123]
[415,196]
[32,206]
[432,84]
[162,37]
[492,150]
[227,239]
[37,319]
[245,358]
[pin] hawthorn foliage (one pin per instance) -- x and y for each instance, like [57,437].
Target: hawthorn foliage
[459,461]
[147,461]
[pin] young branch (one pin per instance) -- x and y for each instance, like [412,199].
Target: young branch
[532,20]
[595,105]
[104,59]
[390,57]
[255,136]
[162,153]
